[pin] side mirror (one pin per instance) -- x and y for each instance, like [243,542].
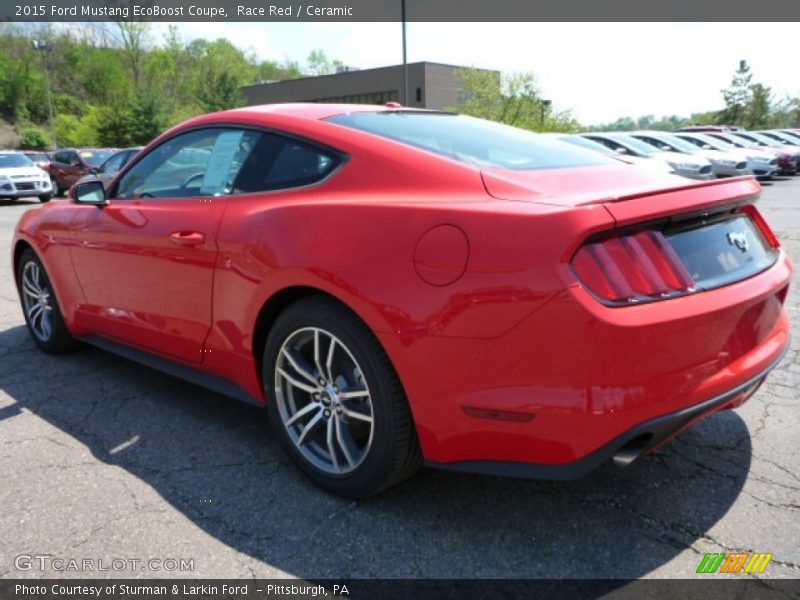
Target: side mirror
[94,170]
[90,192]
[621,151]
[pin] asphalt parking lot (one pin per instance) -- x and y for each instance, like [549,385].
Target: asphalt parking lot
[103,459]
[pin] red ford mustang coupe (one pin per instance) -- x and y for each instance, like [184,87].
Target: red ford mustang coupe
[403,286]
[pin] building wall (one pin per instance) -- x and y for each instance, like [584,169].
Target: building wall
[430,85]
[342,87]
[442,86]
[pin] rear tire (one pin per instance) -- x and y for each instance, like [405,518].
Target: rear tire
[341,414]
[40,307]
[45,198]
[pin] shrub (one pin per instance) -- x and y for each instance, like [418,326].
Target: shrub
[33,138]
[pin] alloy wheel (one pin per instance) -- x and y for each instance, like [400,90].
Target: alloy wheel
[323,400]
[37,301]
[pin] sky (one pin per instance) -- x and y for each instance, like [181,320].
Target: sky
[599,71]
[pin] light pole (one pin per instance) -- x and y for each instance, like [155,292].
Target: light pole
[405,63]
[44,48]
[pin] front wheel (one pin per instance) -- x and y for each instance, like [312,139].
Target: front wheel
[45,198]
[39,304]
[336,402]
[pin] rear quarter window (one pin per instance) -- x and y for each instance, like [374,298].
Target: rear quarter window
[279,162]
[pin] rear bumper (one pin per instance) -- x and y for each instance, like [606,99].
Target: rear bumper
[626,448]
[572,380]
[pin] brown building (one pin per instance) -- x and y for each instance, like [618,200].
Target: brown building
[430,85]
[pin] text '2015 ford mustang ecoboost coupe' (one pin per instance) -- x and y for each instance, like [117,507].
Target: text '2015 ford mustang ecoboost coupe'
[404,286]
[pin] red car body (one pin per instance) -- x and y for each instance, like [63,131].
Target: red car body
[466,276]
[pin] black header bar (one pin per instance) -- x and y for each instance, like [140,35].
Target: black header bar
[390,10]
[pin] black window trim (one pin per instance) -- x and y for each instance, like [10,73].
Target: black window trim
[341,157]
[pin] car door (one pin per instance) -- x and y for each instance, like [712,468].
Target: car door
[59,168]
[72,169]
[145,261]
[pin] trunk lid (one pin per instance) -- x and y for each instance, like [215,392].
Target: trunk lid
[629,193]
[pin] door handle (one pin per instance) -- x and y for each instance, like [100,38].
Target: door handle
[187,238]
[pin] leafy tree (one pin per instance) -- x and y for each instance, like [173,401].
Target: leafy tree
[759,110]
[319,64]
[737,96]
[221,70]
[668,123]
[514,99]
[621,124]
[147,119]
[132,37]
[112,84]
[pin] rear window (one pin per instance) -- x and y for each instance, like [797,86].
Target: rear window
[477,142]
[94,158]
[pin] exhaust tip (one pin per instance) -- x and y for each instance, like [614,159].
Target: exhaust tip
[632,450]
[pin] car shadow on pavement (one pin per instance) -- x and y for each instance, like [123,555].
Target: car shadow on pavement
[215,461]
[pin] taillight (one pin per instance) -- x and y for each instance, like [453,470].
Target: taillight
[769,235]
[633,268]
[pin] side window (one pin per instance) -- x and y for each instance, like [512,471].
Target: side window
[608,143]
[204,162]
[279,162]
[61,157]
[72,158]
[661,145]
[114,164]
[653,142]
[695,142]
[730,141]
[127,157]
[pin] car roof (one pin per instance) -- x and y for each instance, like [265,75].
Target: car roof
[608,134]
[315,110]
[651,132]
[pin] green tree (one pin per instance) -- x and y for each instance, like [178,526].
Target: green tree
[113,84]
[737,96]
[221,70]
[514,99]
[319,63]
[758,113]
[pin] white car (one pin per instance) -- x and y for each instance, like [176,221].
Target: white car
[691,166]
[723,164]
[20,177]
[761,164]
[578,140]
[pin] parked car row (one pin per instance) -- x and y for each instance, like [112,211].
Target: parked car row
[702,153]
[781,144]
[43,174]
